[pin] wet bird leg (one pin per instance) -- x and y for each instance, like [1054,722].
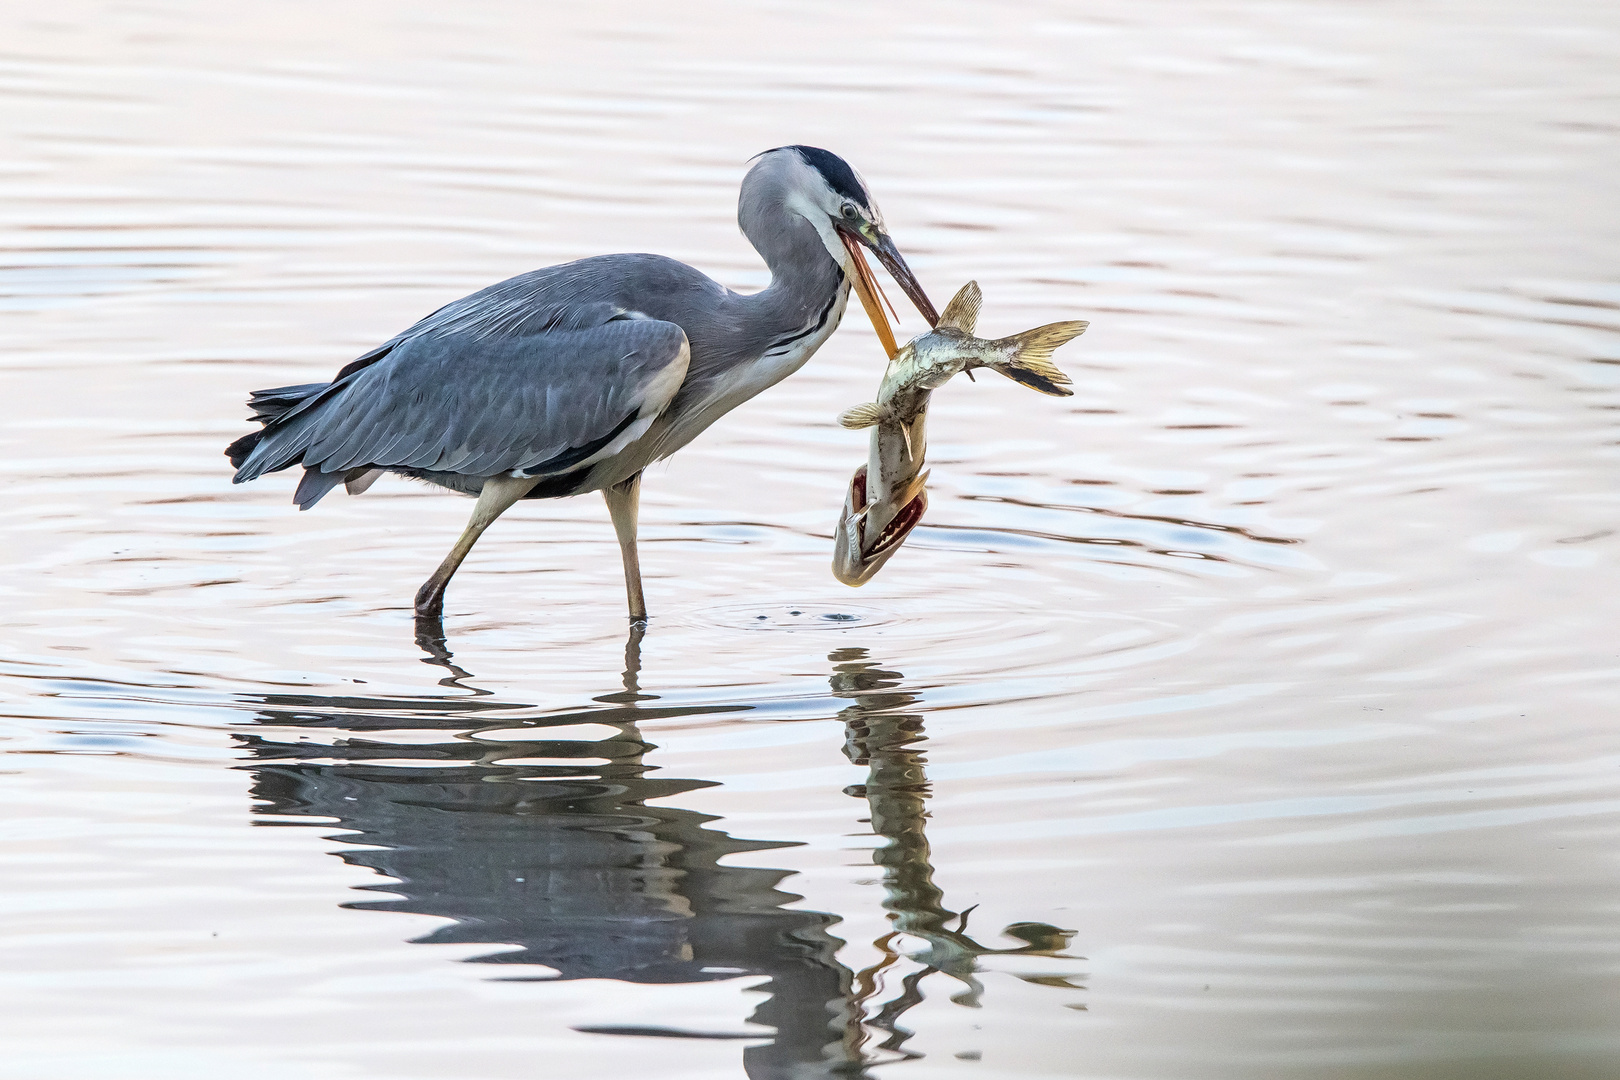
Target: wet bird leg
[497,496]
[624,504]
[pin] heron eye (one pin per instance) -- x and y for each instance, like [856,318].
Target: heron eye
[850,212]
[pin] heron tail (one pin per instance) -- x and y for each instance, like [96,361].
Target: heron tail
[269,406]
[1027,357]
[239,450]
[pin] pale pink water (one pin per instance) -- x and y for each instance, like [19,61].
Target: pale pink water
[1279,665]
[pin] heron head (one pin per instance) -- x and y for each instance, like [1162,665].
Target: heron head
[824,189]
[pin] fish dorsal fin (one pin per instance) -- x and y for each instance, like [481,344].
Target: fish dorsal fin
[864,416]
[962,313]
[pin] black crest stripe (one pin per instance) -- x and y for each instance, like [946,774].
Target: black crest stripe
[835,170]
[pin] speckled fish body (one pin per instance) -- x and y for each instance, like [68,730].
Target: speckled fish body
[887,496]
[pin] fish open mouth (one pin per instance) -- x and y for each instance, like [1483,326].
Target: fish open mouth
[857,490]
[898,528]
[895,532]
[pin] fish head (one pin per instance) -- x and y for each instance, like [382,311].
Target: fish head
[869,533]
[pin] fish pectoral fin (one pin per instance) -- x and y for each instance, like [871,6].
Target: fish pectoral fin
[864,415]
[916,442]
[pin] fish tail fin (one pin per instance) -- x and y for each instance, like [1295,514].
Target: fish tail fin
[1028,357]
[962,313]
[864,416]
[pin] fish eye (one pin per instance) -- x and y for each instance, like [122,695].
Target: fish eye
[850,212]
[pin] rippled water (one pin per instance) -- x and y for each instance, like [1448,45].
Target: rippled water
[1250,714]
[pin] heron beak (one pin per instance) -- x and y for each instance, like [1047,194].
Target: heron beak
[889,256]
[866,287]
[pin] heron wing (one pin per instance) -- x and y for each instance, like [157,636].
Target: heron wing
[479,405]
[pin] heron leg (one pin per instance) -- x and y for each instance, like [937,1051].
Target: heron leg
[624,504]
[497,496]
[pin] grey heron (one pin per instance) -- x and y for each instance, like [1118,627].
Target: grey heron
[576,377]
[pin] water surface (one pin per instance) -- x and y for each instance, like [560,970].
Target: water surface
[1249,714]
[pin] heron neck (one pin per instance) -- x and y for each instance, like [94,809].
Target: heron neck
[806,281]
[749,343]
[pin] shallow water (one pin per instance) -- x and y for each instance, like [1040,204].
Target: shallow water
[1249,714]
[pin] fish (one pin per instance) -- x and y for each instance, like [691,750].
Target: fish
[888,494]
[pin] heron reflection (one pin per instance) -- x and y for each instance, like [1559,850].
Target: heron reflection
[564,853]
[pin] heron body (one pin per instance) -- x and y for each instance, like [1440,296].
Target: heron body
[574,378]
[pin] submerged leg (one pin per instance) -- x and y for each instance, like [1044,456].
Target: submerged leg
[624,503]
[499,493]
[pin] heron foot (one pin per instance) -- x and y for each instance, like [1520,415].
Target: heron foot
[430,600]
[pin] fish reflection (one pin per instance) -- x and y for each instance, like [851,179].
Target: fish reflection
[548,846]
[881,736]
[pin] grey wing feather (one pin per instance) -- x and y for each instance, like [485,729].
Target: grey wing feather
[497,377]
[479,405]
[571,296]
